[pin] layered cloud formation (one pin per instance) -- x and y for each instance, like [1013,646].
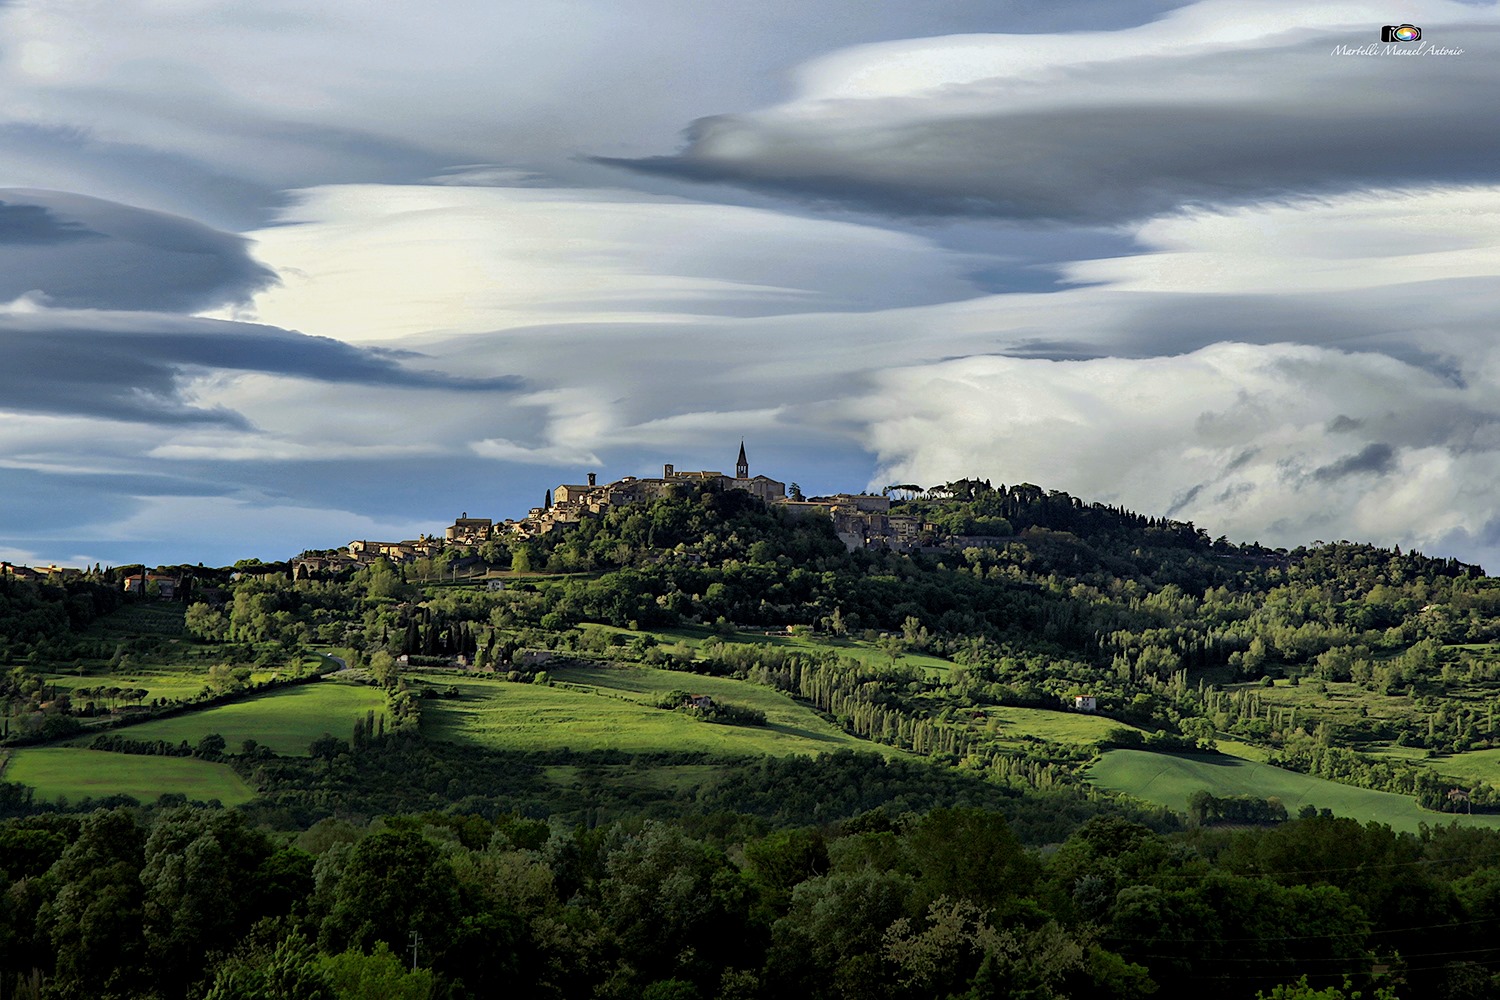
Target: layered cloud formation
[1220,102]
[1202,265]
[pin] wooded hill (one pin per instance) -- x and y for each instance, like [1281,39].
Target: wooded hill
[654,662]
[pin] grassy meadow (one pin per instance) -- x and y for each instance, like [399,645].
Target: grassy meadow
[596,708]
[1475,765]
[284,720]
[1168,780]
[77,774]
[1019,725]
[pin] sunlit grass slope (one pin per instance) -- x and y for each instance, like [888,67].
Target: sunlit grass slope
[285,720]
[594,708]
[1168,779]
[78,774]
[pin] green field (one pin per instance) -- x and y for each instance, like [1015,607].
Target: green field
[855,649]
[1016,724]
[1476,765]
[594,708]
[1168,779]
[169,683]
[286,720]
[1249,751]
[79,774]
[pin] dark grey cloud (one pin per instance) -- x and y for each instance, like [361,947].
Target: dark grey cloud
[1182,500]
[35,225]
[1125,139]
[81,252]
[211,115]
[1377,459]
[1450,314]
[1343,424]
[132,366]
[1242,459]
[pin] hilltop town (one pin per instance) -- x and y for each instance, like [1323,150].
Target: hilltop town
[861,520]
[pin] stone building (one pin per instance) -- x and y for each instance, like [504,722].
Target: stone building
[467,530]
[570,501]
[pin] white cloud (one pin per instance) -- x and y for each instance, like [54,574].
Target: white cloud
[939,67]
[1370,240]
[1282,443]
[370,263]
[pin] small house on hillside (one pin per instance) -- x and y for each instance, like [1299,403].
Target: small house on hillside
[700,701]
[1085,703]
[165,586]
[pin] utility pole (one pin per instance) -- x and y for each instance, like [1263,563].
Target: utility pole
[416,939]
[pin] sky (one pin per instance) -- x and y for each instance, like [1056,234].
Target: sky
[278,276]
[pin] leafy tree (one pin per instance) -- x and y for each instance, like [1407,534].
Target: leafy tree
[94,919]
[212,745]
[783,860]
[674,903]
[292,971]
[835,932]
[1300,990]
[206,622]
[200,872]
[393,884]
[376,976]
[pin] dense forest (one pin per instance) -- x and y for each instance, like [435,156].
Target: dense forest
[974,865]
[947,903]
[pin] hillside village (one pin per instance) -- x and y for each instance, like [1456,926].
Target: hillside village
[861,520]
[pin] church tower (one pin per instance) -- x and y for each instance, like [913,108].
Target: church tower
[741,466]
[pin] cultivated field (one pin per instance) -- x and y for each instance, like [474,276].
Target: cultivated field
[1168,779]
[594,708]
[77,774]
[285,720]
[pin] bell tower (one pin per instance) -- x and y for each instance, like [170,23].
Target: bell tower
[741,466]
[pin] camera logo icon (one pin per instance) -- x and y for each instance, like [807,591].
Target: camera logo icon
[1400,33]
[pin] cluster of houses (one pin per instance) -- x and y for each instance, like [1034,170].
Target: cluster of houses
[164,586]
[362,552]
[39,574]
[159,584]
[861,520]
